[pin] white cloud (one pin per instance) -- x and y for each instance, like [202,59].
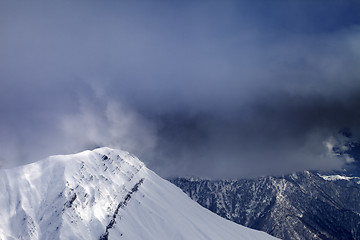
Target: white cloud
[110,124]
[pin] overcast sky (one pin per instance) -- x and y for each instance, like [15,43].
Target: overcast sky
[195,88]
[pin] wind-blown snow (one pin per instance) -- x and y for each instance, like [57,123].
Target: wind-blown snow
[340,177]
[103,194]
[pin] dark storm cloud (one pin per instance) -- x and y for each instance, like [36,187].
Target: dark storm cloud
[282,134]
[208,88]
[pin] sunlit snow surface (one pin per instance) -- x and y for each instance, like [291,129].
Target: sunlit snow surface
[102,194]
[340,177]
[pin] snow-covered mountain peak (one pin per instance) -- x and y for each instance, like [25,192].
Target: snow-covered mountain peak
[103,194]
[64,191]
[105,155]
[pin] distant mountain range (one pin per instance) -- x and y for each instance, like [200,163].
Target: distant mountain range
[104,194]
[302,205]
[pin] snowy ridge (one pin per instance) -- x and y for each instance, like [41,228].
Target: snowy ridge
[338,177]
[103,194]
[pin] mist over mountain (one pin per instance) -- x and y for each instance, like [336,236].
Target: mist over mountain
[265,93]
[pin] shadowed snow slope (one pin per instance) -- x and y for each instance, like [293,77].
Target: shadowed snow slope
[103,194]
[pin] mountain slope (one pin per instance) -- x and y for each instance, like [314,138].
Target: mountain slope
[304,205]
[103,194]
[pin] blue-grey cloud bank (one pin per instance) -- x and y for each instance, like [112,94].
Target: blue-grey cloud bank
[203,88]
